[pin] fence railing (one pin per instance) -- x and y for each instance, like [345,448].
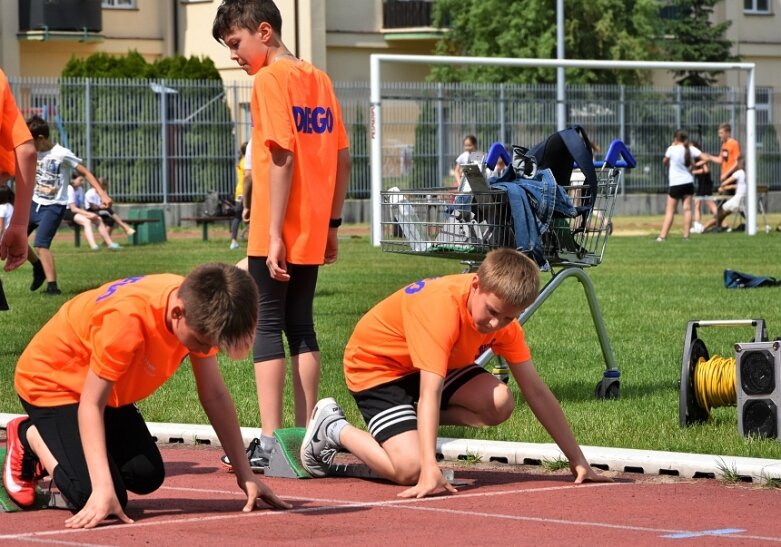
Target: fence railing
[172,141]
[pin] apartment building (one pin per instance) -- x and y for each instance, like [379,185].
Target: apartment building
[37,37]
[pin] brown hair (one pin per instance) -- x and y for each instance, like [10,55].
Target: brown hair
[220,302]
[510,275]
[726,127]
[245,14]
[38,127]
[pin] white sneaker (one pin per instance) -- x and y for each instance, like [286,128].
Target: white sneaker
[698,228]
[234,245]
[317,449]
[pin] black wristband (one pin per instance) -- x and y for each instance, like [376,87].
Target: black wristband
[335,223]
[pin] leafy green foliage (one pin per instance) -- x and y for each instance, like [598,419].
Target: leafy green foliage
[594,29]
[125,115]
[694,38]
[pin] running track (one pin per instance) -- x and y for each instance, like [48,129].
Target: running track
[199,505]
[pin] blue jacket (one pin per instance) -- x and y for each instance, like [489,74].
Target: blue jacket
[532,204]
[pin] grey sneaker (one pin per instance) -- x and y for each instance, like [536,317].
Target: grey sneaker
[258,459]
[317,450]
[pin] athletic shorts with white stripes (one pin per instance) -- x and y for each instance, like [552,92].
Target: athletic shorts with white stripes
[390,409]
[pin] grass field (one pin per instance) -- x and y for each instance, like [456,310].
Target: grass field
[648,292]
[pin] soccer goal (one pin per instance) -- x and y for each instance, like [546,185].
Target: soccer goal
[377,60]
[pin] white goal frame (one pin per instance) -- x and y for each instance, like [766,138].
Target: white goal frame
[377,59]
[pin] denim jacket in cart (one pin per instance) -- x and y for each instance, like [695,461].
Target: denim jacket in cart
[532,204]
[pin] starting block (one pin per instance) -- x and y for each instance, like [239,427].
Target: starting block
[285,460]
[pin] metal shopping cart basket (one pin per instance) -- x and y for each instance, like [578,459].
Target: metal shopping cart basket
[439,222]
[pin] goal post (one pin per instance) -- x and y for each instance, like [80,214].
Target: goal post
[377,59]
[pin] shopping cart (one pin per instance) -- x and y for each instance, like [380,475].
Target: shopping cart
[443,223]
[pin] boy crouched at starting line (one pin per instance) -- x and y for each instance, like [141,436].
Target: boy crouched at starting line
[106,349]
[410,367]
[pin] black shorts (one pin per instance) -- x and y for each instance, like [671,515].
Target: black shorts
[704,185]
[680,191]
[390,409]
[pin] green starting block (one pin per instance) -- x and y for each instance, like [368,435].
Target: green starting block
[285,460]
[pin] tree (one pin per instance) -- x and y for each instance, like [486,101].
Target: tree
[693,37]
[594,29]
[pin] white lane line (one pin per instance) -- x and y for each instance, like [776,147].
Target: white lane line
[410,504]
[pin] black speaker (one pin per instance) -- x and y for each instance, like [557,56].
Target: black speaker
[758,367]
[60,15]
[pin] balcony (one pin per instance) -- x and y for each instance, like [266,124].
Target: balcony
[407,14]
[60,20]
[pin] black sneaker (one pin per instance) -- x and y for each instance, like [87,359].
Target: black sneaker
[52,291]
[39,276]
[258,458]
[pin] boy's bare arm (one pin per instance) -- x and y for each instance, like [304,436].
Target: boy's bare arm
[219,407]
[13,246]
[103,499]
[87,174]
[548,411]
[343,166]
[280,180]
[431,478]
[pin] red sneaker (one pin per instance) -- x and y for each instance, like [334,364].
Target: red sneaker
[22,491]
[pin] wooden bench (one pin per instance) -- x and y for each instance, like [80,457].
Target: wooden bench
[205,221]
[134,222]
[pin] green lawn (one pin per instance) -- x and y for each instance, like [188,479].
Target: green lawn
[648,292]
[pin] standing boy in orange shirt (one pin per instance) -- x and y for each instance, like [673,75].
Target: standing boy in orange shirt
[300,171]
[410,367]
[104,350]
[17,158]
[730,152]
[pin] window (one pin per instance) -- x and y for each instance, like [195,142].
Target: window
[756,6]
[119,4]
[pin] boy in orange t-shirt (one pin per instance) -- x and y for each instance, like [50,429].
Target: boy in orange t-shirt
[410,367]
[17,159]
[104,350]
[730,152]
[300,171]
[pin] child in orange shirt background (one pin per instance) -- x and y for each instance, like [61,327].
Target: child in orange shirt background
[104,350]
[300,171]
[409,365]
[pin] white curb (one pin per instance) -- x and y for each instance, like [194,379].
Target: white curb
[624,460]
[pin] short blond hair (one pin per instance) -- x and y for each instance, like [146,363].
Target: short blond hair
[221,303]
[510,275]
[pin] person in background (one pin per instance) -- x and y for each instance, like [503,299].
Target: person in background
[470,154]
[77,214]
[107,214]
[704,190]
[679,158]
[243,171]
[735,184]
[56,164]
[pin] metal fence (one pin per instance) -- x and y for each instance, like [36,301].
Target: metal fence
[172,141]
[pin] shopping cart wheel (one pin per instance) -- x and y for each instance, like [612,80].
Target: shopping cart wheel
[609,387]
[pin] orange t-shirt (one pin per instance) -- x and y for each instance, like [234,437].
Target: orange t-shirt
[730,151]
[13,129]
[118,331]
[424,326]
[295,108]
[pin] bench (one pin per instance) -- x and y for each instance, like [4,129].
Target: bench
[205,221]
[134,222]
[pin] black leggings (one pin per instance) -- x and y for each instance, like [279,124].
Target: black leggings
[133,456]
[284,306]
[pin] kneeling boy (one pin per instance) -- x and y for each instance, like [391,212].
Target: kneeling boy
[410,367]
[106,349]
